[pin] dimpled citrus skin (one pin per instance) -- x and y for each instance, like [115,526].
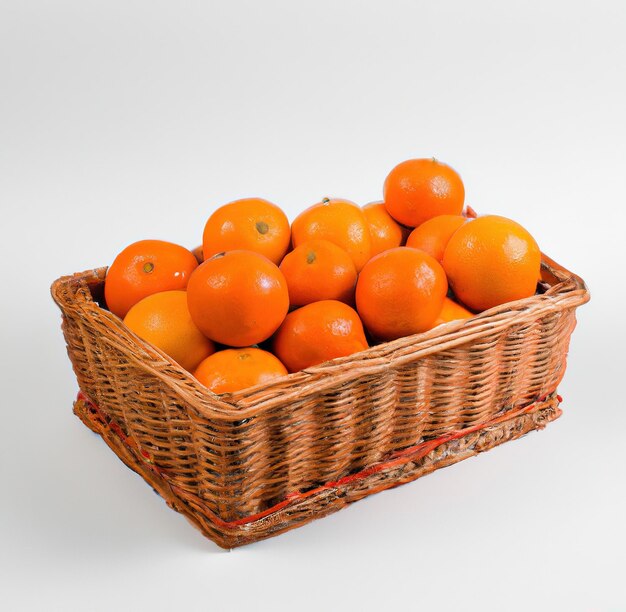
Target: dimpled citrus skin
[400,292]
[433,235]
[339,221]
[144,268]
[492,260]
[163,319]
[319,270]
[252,224]
[419,189]
[232,370]
[238,298]
[318,332]
[385,231]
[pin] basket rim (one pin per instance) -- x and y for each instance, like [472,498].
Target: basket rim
[565,290]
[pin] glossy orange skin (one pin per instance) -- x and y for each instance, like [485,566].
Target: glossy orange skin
[433,235]
[163,319]
[317,333]
[419,189]
[492,260]
[400,292]
[385,231]
[251,224]
[232,370]
[319,270]
[144,268]
[451,311]
[339,221]
[238,298]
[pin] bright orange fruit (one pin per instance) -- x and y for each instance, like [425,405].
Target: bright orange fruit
[232,370]
[318,332]
[400,292]
[144,268]
[385,231]
[319,270]
[419,189]
[251,224]
[163,319]
[492,260]
[238,298]
[433,235]
[451,311]
[339,221]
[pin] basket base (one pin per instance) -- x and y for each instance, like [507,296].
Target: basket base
[300,509]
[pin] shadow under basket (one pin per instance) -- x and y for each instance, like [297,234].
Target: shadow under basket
[249,465]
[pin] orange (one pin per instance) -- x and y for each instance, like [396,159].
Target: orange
[163,319]
[400,292]
[318,332]
[251,224]
[339,221]
[432,236]
[144,268]
[319,270]
[385,231]
[420,189]
[238,298]
[231,370]
[451,311]
[492,260]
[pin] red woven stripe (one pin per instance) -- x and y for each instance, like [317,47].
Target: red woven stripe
[412,453]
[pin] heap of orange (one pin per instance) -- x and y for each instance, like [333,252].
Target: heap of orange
[419,189]
[251,224]
[319,270]
[163,319]
[339,221]
[144,268]
[343,255]
[238,298]
[231,370]
[490,261]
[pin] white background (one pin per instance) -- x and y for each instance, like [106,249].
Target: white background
[128,120]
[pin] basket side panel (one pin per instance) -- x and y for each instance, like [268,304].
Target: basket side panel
[134,400]
[352,426]
[472,383]
[465,389]
[83,363]
[92,366]
[376,399]
[253,464]
[158,425]
[533,358]
[413,382]
[326,437]
[551,362]
[221,448]
[250,465]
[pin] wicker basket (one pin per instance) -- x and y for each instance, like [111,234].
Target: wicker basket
[245,466]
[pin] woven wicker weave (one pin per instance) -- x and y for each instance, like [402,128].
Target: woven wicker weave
[245,466]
